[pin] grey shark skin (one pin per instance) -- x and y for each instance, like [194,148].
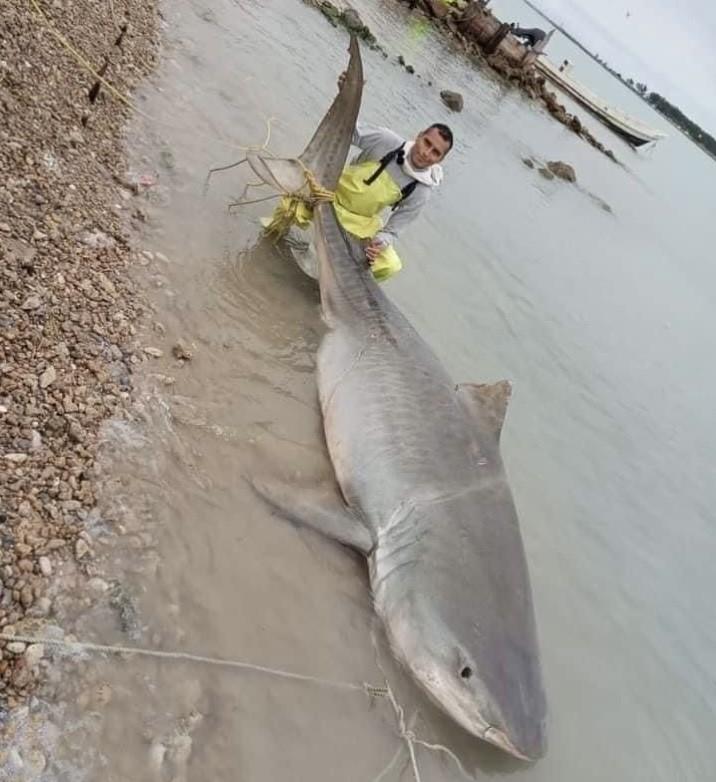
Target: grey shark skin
[422,492]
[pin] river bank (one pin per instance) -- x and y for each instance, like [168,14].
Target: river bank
[70,310]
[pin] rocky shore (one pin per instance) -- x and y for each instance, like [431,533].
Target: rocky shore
[448,19]
[68,307]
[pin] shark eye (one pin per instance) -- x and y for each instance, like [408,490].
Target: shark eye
[466,672]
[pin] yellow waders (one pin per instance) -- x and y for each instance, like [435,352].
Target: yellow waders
[358,207]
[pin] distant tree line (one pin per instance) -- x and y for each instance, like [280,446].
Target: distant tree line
[640,87]
[689,127]
[662,105]
[699,136]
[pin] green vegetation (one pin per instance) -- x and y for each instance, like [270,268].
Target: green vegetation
[689,127]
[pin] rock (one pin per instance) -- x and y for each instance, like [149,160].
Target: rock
[27,596]
[153,352]
[19,252]
[329,11]
[48,377]
[82,550]
[161,257]
[146,254]
[181,351]
[97,585]
[76,432]
[103,694]
[352,20]
[453,100]
[45,566]
[16,458]
[21,676]
[97,240]
[5,228]
[33,654]
[43,606]
[106,284]
[438,8]
[75,137]
[31,303]
[36,763]
[35,440]
[562,170]
[546,173]
[528,162]
[16,647]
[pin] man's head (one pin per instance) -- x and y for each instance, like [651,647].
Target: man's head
[431,146]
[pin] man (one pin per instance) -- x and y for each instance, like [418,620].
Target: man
[532,35]
[388,172]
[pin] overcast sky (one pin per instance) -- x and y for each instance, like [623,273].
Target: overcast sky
[669,45]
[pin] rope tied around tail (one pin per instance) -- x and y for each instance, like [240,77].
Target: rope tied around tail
[297,207]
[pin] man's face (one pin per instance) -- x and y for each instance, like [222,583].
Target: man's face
[429,148]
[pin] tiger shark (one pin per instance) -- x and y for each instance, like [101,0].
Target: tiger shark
[420,488]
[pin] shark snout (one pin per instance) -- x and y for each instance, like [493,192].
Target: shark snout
[530,747]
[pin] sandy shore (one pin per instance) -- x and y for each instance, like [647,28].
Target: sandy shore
[68,307]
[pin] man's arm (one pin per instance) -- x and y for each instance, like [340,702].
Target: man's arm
[404,214]
[369,138]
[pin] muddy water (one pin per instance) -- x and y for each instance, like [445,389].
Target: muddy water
[600,319]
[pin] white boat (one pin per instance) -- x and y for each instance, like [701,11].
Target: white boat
[633,130]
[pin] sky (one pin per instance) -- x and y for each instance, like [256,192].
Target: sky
[668,45]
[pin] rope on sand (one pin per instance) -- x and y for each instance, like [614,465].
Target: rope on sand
[81,646]
[405,729]
[86,65]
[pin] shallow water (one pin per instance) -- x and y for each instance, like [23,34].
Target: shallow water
[601,319]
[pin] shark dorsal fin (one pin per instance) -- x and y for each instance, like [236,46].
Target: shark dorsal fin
[487,399]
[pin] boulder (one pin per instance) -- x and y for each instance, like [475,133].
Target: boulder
[453,100]
[562,170]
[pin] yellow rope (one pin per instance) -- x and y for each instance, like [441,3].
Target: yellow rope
[84,62]
[78,56]
[317,193]
[297,207]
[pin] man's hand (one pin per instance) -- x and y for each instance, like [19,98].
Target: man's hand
[373,249]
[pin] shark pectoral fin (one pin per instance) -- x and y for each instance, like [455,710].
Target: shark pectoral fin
[322,509]
[489,399]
